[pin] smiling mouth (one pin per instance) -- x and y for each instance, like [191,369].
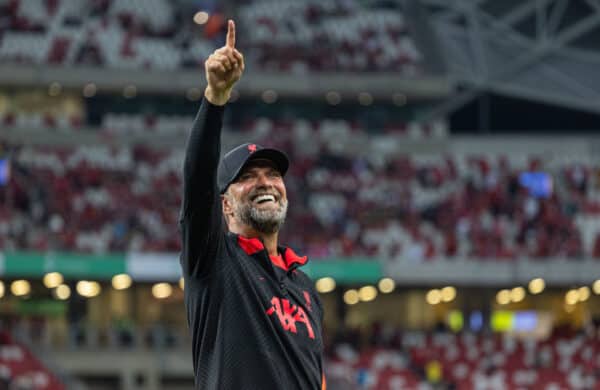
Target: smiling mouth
[264,198]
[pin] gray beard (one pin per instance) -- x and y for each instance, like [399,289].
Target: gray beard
[263,221]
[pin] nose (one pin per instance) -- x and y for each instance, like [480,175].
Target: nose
[263,180]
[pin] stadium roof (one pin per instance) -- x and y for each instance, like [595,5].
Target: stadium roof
[544,50]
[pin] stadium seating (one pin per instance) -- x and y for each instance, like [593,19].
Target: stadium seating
[470,361]
[133,34]
[311,35]
[345,203]
[19,369]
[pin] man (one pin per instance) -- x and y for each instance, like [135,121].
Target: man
[255,317]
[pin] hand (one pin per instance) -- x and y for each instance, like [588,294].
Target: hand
[223,69]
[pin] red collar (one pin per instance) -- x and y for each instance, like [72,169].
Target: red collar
[253,245]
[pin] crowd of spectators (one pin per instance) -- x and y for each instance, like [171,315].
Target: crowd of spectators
[388,358]
[347,199]
[296,36]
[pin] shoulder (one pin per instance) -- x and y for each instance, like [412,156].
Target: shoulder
[306,282]
[303,277]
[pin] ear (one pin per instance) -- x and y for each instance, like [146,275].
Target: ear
[226,204]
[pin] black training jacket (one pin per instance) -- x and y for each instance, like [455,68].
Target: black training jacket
[254,325]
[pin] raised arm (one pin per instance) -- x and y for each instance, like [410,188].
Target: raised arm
[201,210]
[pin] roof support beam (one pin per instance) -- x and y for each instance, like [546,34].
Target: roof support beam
[556,16]
[472,50]
[578,29]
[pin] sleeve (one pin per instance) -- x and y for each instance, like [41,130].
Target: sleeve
[200,217]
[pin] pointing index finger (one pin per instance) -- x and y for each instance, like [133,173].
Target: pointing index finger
[230,34]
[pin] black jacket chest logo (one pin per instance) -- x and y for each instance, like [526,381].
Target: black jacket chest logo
[290,315]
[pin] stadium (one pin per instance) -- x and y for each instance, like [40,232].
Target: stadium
[444,182]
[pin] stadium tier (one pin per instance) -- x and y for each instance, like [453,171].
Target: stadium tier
[352,36]
[395,206]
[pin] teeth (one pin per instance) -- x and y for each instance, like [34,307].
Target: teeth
[264,198]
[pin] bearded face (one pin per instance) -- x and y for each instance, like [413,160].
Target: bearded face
[258,198]
[264,211]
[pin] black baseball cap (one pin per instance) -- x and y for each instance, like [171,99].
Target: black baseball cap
[236,159]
